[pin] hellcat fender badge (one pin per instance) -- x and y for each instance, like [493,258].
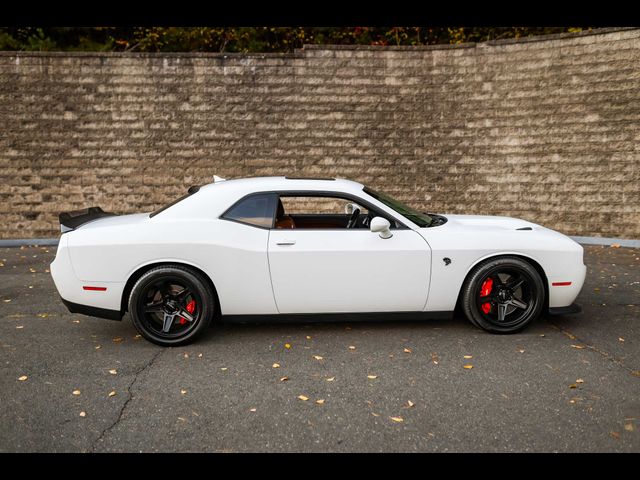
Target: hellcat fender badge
[446,261]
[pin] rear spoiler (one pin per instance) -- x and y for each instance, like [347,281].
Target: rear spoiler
[72,220]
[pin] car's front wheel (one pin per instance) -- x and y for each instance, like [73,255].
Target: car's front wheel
[503,295]
[171,305]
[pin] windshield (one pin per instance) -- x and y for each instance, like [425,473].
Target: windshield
[420,219]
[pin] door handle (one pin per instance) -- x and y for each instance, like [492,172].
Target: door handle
[286,242]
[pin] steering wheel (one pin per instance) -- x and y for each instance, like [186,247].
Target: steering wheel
[354,218]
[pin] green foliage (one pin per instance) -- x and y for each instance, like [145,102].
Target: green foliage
[247,39]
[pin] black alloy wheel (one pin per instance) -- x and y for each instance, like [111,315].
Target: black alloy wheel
[503,295]
[171,305]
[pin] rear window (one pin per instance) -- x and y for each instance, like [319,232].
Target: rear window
[190,192]
[257,210]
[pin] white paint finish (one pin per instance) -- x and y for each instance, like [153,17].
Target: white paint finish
[469,239]
[328,271]
[320,271]
[233,255]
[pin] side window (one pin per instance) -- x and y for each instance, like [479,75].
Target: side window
[320,212]
[257,210]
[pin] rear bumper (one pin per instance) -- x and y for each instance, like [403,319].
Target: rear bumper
[573,308]
[92,311]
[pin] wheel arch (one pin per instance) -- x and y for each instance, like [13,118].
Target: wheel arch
[137,274]
[531,261]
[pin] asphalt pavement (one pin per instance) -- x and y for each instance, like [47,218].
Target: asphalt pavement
[74,383]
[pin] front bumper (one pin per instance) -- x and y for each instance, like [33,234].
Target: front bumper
[573,308]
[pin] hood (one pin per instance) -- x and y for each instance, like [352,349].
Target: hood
[486,222]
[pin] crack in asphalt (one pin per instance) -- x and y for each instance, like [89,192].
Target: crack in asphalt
[126,403]
[601,352]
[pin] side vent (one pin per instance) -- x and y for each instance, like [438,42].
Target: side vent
[524,228]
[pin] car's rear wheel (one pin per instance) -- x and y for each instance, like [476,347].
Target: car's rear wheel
[503,295]
[171,305]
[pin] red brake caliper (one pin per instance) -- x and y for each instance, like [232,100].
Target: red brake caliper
[485,290]
[191,307]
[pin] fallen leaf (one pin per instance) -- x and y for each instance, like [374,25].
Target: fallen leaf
[117,339]
[573,385]
[6,300]
[186,355]
[76,321]
[287,346]
[308,337]
[76,392]
[621,339]
[252,409]
[199,355]
[397,419]
[615,435]
[317,357]
[330,379]
[542,334]
[467,357]
[275,365]
[137,337]
[97,347]
[320,401]
[410,404]
[113,371]
[32,270]
[22,378]
[43,315]
[19,327]
[303,398]
[579,380]
[615,245]
[434,358]
[636,373]
[468,367]
[352,347]
[112,393]
[182,419]
[375,414]
[629,427]
[284,379]
[579,347]
[183,392]
[224,369]
[83,414]
[407,350]
[372,377]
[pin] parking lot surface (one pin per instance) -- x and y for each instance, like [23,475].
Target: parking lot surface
[74,383]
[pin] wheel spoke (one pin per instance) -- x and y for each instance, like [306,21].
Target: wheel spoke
[502,311]
[153,307]
[182,294]
[515,283]
[186,315]
[164,289]
[167,322]
[519,303]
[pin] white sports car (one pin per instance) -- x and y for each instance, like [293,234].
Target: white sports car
[308,248]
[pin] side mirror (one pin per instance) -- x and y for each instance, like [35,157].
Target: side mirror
[381,225]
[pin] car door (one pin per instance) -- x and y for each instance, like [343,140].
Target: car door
[324,268]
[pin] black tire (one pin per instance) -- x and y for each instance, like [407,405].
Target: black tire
[171,305]
[517,299]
